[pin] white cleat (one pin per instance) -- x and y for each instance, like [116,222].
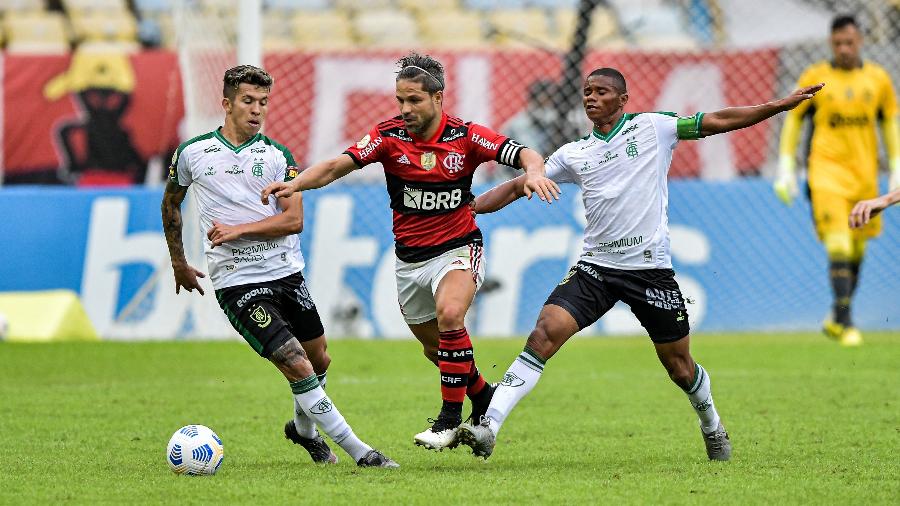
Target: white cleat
[480,438]
[439,436]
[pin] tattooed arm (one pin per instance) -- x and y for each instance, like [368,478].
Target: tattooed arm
[185,275]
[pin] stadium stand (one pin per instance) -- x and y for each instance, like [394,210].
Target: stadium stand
[386,28]
[36,32]
[328,29]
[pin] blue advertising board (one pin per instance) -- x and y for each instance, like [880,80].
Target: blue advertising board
[744,261]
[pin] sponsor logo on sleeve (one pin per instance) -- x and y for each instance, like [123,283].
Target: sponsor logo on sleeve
[481,141]
[363,142]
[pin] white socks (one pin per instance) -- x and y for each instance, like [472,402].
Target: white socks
[318,406]
[519,379]
[701,399]
[304,424]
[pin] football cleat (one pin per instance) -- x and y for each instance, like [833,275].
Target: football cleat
[851,336]
[480,407]
[718,446]
[480,438]
[375,458]
[442,434]
[832,329]
[317,447]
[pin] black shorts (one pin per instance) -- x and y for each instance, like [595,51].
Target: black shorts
[270,313]
[588,291]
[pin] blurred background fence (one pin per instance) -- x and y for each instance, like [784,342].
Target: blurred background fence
[100,92]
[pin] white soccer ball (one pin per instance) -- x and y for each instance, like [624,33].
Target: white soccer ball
[195,450]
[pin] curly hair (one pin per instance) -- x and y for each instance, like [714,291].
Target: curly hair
[244,74]
[422,69]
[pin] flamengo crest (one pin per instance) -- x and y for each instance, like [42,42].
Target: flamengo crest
[453,162]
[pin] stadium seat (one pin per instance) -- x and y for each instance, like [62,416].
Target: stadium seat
[36,32]
[328,29]
[21,5]
[153,6]
[386,28]
[452,29]
[94,26]
[518,28]
[277,31]
[604,30]
[294,5]
[77,7]
[432,7]
[357,5]
[553,4]
[488,5]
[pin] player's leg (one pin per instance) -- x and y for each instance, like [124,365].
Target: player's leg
[291,360]
[657,302]
[577,302]
[830,212]
[254,312]
[477,388]
[434,298]
[304,323]
[454,295]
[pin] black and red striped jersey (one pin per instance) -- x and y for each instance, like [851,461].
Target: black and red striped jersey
[430,181]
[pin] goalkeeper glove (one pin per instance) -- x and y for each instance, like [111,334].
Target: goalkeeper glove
[894,181]
[785,185]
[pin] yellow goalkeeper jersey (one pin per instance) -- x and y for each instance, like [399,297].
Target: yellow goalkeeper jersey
[843,156]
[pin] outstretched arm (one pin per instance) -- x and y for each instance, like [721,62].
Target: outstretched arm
[500,196]
[865,210]
[288,221]
[185,275]
[734,118]
[316,176]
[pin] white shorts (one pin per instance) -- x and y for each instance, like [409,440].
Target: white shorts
[417,282]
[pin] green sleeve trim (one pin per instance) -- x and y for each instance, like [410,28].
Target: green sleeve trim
[173,168]
[688,127]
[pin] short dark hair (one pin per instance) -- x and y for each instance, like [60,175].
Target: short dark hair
[422,69]
[842,21]
[615,75]
[248,74]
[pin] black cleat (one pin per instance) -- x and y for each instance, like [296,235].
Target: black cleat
[481,402]
[377,459]
[317,447]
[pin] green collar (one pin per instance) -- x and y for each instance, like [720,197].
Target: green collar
[625,117]
[236,149]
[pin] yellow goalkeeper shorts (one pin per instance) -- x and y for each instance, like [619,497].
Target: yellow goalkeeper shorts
[831,214]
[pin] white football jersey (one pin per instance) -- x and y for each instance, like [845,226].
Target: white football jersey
[227,181]
[622,176]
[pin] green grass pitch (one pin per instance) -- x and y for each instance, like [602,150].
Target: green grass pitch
[810,422]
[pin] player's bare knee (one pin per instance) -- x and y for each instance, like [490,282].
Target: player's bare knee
[451,316]
[292,360]
[680,369]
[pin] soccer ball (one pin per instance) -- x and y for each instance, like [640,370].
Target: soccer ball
[195,450]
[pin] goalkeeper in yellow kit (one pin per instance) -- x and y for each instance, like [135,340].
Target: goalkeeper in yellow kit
[843,160]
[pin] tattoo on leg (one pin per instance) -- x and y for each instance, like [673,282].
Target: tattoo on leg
[289,354]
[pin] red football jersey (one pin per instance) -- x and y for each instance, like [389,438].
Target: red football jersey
[430,181]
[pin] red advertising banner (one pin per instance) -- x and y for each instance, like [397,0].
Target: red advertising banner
[70,117]
[89,116]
